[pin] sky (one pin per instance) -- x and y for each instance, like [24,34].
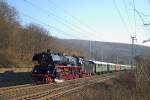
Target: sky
[96,20]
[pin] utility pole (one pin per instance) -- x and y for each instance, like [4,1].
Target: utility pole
[102,58]
[90,48]
[132,54]
[101,53]
[117,59]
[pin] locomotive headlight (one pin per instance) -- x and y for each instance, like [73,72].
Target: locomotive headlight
[35,71]
[48,71]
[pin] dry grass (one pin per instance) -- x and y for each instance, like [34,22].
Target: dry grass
[100,91]
[22,69]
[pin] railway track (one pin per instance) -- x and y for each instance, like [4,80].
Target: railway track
[14,89]
[5,89]
[68,89]
[45,90]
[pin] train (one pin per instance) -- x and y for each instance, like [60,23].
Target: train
[57,67]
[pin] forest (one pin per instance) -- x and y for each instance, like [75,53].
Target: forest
[19,42]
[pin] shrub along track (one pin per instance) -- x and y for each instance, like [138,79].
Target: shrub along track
[45,91]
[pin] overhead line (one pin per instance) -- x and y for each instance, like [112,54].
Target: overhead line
[119,13]
[126,10]
[146,15]
[72,16]
[58,30]
[134,16]
[57,17]
[138,13]
[143,22]
[35,6]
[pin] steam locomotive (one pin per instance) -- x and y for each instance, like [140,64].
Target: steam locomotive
[58,67]
[52,66]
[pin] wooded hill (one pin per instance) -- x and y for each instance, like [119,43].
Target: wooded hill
[109,51]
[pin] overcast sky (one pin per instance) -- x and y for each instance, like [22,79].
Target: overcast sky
[98,20]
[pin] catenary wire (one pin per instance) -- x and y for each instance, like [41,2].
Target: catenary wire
[60,19]
[73,17]
[50,26]
[119,13]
